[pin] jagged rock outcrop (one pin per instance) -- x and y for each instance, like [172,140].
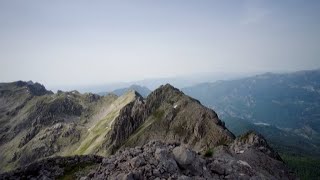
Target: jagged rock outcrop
[158,160]
[55,168]
[253,140]
[35,89]
[130,118]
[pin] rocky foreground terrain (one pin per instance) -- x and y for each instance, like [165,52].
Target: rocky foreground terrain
[70,135]
[248,157]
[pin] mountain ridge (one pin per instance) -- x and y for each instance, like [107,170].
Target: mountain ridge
[70,123]
[49,124]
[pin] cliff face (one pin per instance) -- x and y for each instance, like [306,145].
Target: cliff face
[130,118]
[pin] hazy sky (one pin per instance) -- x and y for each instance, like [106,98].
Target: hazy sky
[69,42]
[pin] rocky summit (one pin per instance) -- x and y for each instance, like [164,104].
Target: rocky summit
[167,135]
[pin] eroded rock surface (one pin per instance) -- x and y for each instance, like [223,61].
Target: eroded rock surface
[55,168]
[157,160]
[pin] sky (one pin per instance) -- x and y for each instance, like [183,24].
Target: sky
[83,42]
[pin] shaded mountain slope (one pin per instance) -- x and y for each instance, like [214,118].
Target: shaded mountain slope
[98,132]
[42,124]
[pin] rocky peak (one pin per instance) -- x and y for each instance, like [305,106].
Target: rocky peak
[169,115]
[253,140]
[165,90]
[164,94]
[35,89]
[21,83]
[91,97]
[167,87]
[134,93]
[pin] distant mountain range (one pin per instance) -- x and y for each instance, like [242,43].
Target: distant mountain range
[142,90]
[153,83]
[283,107]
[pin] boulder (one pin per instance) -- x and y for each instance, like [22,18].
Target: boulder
[183,156]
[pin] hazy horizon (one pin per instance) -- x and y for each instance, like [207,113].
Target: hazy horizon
[77,43]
